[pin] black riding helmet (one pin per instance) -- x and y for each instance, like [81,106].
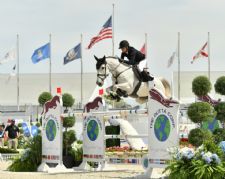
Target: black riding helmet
[124,43]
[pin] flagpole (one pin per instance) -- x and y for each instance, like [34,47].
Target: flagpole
[146,51]
[209,56]
[81,76]
[178,65]
[18,79]
[50,64]
[113,30]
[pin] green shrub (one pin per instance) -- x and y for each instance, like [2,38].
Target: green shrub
[68,121]
[197,136]
[30,159]
[44,97]
[115,130]
[19,125]
[219,135]
[21,131]
[69,137]
[201,86]
[38,124]
[220,85]
[220,109]
[68,100]
[7,151]
[22,142]
[201,111]
[112,143]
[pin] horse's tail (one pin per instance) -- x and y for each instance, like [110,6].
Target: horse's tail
[166,86]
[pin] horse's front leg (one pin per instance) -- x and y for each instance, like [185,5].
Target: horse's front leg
[122,89]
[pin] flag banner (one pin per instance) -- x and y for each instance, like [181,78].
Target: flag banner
[105,33]
[9,56]
[171,59]
[12,74]
[201,53]
[143,49]
[41,53]
[73,54]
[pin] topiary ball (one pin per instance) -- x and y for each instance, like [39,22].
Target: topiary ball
[220,85]
[201,86]
[197,136]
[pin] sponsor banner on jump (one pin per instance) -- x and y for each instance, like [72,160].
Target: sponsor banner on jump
[51,131]
[163,127]
[93,141]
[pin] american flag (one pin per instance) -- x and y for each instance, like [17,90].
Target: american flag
[201,53]
[105,33]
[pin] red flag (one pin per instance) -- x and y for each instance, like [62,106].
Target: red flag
[59,90]
[101,92]
[143,49]
[201,53]
[105,33]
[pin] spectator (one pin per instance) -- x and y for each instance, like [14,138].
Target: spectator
[12,132]
[2,135]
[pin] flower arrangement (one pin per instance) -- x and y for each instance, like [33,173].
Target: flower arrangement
[124,152]
[205,162]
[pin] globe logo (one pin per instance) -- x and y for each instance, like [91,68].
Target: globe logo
[210,125]
[92,130]
[162,127]
[50,130]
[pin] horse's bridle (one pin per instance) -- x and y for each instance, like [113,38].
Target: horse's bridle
[103,76]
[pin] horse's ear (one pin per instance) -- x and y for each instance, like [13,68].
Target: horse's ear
[96,58]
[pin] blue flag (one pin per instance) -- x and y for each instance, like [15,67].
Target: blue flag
[73,54]
[41,53]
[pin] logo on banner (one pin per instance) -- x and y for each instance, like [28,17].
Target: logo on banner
[162,127]
[51,130]
[92,130]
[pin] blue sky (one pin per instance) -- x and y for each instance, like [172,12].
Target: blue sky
[33,20]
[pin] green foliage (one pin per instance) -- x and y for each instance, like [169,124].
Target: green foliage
[77,152]
[197,136]
[115,130]
[21,131]
[69,137]
[30,159]
[68,121]
[112,142]
[206,162]
[220,109]
[219,135]
[19,125]
[201,111]
[220,85]
[68,100]
[201,86]
[22,142]
[38,124]
[7,151]
[44,97]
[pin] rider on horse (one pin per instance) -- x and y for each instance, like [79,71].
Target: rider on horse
[135,57]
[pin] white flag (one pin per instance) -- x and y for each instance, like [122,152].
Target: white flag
[9,56]
[171,59]
[12,74]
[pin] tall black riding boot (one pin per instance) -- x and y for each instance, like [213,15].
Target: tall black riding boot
[146,76]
